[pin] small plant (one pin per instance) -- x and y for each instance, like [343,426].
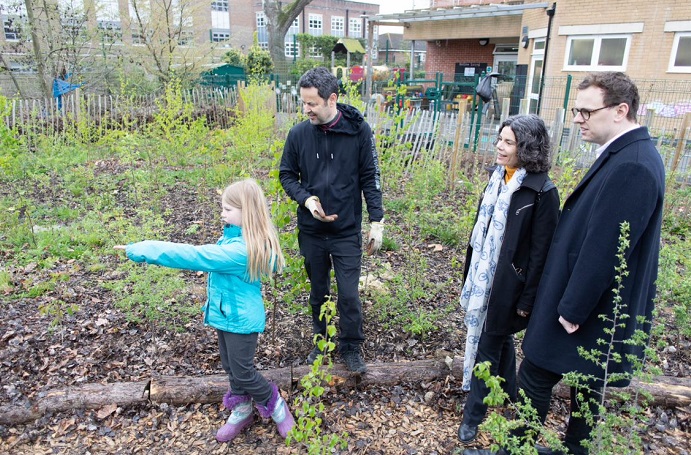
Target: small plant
[614,430]
[309,406]
[517,435]
[57,309]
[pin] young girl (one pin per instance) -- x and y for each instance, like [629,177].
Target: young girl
[248,250]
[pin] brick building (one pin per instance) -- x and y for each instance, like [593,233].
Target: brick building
[225,23]
[530,40]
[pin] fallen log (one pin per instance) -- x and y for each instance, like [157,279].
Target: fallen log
[88,396]
[665,391]
[210,389]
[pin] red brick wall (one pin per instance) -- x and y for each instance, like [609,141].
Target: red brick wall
[443,55]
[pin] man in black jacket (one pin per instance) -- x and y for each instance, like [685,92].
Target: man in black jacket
[328,163]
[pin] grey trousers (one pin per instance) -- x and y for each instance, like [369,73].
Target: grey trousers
[237,359]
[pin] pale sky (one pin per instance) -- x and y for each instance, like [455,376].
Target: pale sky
[397,6]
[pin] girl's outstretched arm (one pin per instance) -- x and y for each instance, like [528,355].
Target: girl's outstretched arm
[230,258]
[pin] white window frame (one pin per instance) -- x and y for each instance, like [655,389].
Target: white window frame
[338,26]
[108,11]
[219,35]
[144,8]
[315,25]
[355,27]
[220,20]
[315,54]
[261,19]
[219,5]
[12,27]
[593,66]
[288,49]
[673,55]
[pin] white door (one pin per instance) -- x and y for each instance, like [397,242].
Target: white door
[535,74]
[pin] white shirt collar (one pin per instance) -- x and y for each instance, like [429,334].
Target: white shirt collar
[604,146]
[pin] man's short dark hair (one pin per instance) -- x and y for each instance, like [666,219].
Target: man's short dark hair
[321,79]
[534,149]
[617,87]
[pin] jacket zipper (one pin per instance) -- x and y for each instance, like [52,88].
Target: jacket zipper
[524,207]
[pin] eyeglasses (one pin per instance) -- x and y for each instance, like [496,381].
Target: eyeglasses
[585,113]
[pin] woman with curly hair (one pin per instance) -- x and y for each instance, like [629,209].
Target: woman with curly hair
[506,254]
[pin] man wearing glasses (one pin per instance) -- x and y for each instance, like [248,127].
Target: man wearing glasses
[624,184]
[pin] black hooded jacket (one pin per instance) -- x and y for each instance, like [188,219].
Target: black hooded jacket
[338,165]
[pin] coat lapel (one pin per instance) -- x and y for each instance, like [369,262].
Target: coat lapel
[620,143]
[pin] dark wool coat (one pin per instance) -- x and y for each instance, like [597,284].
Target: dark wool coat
[529,227]
[626,183]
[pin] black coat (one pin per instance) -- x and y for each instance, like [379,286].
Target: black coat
[626,183]
[532,217]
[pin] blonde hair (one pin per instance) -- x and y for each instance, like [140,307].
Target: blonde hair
[264,254]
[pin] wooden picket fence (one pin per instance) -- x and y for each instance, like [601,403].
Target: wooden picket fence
[453,136]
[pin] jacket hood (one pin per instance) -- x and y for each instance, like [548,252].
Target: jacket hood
[351,121]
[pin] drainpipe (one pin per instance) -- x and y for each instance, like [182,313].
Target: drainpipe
[550,13]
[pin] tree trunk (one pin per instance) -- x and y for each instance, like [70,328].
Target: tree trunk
[665,391]
[278,20]
[38,55]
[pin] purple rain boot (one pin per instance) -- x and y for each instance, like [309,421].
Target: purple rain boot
[241,416]
[278,410]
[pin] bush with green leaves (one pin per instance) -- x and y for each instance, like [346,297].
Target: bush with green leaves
[235,57]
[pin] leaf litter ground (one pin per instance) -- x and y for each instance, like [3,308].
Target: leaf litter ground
[98,344]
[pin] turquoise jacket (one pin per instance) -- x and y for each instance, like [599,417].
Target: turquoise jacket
[233,303]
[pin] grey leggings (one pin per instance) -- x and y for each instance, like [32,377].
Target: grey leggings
[237,357]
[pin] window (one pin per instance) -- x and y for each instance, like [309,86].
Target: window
[219,5]
[220,19]
[12,26]
[12,21]
[606,52]
[680,61]
[292,49]
[315,53]
[315,24]
[139,9]
[110,31]
[355,28]
[337,26]
[219,35]
[262,32]
[186,38]
[261,19]
[137,36]
[109,10]
[294,27]
[182,15]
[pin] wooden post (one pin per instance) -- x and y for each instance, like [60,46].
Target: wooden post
[557,132]
[681,140]
[505,105]
[462,107]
